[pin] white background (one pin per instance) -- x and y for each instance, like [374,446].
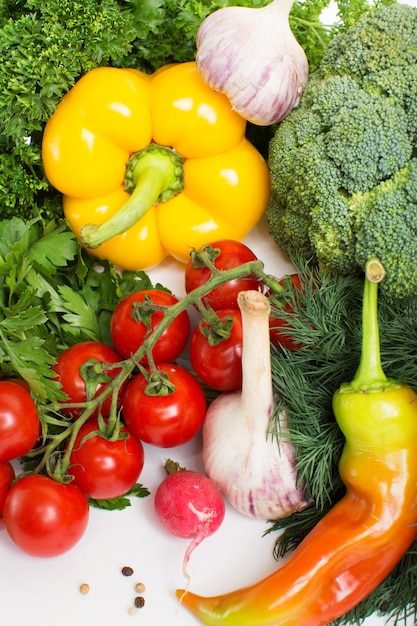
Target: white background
[35,590]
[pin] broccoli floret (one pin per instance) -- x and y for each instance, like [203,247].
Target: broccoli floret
[343,163]
[380,53]
[388,221]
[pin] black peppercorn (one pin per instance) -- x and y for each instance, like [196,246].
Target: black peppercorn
[127,571]
[139,602]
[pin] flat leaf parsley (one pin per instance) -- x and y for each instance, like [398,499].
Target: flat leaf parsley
[52,295]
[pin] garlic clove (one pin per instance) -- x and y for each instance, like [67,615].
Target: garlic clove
[252,56]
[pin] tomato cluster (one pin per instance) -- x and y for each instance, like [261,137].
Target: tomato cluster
[115,398]
[216,342]
[47,517]
[216,355]
[163,404]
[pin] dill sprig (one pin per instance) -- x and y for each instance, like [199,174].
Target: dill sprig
[324,317]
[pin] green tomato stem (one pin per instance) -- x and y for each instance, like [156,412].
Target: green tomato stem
[153,175]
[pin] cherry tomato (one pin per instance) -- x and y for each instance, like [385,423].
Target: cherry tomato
[19,381]
[165,420]
[278,327]
[19,421]
[43,517]
[279,338]
[7,475]
[130,324]
[219,365]
[67,369]
[105,469]
[232,254]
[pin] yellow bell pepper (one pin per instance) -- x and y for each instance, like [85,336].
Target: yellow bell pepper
[152,165]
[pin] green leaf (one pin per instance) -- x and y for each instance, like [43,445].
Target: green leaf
[122,502]
[20,322]
[133,281]
[78,312]
[32,362]
[53,250]
[11,233]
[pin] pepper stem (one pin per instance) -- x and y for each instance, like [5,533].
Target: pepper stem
[370,375]
[153,175]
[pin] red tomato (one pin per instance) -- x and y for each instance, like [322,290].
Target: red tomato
[129,326]
[21,382]
[165,420]
[7,475]
[220,365]
[278,327]
[19,421]
[232,254]
[105,469]
[67,369]
[279,338]
[43,517]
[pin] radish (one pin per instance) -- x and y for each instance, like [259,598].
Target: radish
[188,505]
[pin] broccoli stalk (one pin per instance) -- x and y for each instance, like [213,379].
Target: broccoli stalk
[344,163]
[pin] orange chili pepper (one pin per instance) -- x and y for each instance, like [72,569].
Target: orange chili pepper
[357,544]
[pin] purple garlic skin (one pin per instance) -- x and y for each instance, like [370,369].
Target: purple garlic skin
[251,56]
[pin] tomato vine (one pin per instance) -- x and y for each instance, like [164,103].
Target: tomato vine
[52,456]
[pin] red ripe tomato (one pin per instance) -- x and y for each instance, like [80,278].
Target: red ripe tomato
[7,475]
[130,324]
[279,338]
[278,327]
[21,382]
[219,365]
[232,254]
[67,369]
[19,421]
[165,420]
[105,469]
[43,517]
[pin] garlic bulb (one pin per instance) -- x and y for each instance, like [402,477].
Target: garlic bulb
[254,471]
[252,56]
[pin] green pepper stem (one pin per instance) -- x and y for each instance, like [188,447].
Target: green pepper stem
[370,375]
[153,175]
